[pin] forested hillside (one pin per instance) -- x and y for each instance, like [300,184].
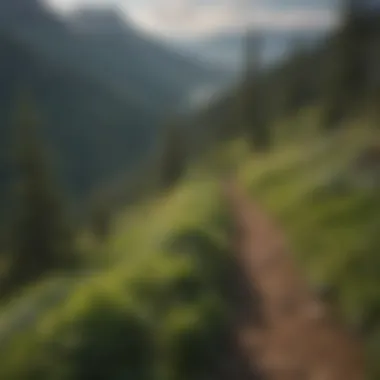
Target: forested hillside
[224,49]
[163,310]
[339,78]
[150,289]
[80,115]
[102,94]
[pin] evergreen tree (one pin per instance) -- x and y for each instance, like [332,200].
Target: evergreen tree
[41,240]
[346,81]
[255,102]
[299,90]
[101,221]
[174,156]
[261,136]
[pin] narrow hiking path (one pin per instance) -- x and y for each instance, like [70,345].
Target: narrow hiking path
[295,337]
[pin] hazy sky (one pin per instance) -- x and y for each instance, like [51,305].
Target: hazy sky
[197,17]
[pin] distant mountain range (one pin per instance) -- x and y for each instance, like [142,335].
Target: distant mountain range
[101,86]
[225,50]
[100,44]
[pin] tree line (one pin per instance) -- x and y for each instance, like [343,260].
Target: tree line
[40,235]
[340,77]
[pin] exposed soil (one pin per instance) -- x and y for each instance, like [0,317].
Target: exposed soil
[288,333]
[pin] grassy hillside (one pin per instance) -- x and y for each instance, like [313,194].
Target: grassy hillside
[159,311]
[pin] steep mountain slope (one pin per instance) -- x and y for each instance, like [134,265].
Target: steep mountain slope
[157,74]
[341,72]
[226,49]
[99,44]
[102,89]
[94,132]
[171,258]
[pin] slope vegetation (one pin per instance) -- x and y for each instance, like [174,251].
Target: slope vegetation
[162,309]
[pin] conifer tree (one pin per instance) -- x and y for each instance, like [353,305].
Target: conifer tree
[101,221]
[174,156]
[346,80]
[255,100]
[41,240]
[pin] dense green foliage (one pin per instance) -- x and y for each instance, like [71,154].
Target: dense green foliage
[161,290]
[173,157]
[40,237]
[163,308]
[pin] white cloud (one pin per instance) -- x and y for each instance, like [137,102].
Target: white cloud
[189,17]
[197,17]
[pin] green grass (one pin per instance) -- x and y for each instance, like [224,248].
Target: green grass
[170,298]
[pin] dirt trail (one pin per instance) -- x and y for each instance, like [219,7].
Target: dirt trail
[296,337]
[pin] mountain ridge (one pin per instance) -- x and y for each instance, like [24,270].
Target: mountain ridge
[103,97]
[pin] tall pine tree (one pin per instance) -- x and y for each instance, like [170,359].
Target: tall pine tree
[255,118]
[173,157]
[346,82]
[41,239]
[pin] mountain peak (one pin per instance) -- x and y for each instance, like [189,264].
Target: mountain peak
[98,20]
